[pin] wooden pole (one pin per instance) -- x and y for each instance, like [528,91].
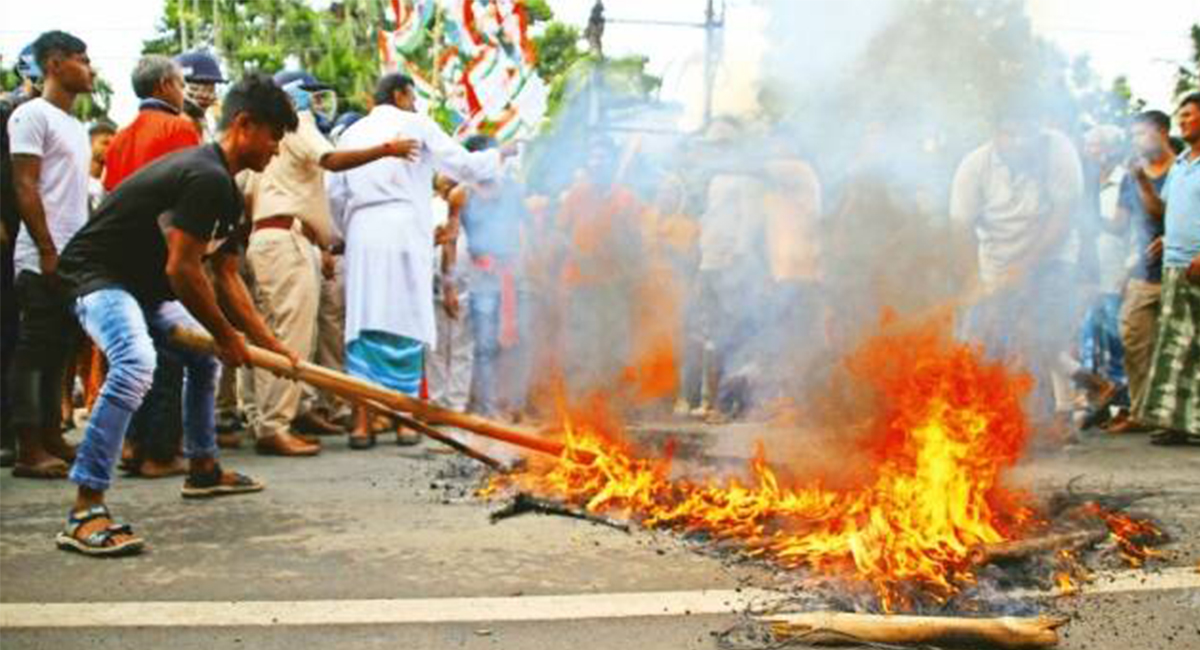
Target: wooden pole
[356,389]
[430,432]
[838,628]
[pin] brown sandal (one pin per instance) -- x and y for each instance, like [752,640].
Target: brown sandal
[50,469]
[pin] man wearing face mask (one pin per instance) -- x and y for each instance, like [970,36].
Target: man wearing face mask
[292,228]
[202,73]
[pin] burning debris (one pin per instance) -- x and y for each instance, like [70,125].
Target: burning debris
[524,503]
[933,515]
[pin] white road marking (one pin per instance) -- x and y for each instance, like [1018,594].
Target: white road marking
[472,610]
[1118,582]
[366,612]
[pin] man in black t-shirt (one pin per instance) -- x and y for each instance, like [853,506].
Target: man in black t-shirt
[1142,300]
[135,272]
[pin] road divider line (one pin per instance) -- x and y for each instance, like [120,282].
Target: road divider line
[368,612]
[474,610]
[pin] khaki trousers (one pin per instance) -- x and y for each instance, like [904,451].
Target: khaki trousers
[1139,329]
[287,293]
[331,346]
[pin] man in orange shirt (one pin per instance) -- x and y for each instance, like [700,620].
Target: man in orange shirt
[159,129]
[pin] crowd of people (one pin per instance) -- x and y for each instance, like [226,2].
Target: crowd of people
[381,246]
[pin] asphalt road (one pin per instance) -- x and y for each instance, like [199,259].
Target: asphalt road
[351,549]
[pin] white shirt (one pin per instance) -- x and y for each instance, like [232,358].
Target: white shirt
[1112,249]
[39,128]
[395,179]
[384,208]
[1007,209]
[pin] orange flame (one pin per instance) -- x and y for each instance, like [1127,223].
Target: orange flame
[949,425]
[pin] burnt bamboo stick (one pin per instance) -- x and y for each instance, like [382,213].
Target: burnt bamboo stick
[436,435]
[1021,549]
[838,628]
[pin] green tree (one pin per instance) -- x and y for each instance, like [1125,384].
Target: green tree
[1187,77]
[97,104]
[337,44]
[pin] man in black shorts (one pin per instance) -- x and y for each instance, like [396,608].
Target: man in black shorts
[135,272]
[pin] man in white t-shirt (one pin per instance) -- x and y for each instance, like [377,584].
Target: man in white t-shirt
[51,157]
[1018,195]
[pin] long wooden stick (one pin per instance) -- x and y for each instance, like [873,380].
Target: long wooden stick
[837,628]
[357,389]
[430,432]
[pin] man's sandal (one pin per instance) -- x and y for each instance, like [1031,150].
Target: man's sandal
[98,543]
[207,486]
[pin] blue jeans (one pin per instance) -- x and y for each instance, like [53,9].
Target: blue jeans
[125,331]
[1100,348]
[488,396]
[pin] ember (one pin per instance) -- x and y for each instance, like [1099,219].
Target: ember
[950,423]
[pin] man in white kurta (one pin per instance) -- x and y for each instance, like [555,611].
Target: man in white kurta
[386,206]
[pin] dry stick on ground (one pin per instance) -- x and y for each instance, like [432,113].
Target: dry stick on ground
[837,628]
[353,388]
[1024,548]
[523,503]
[430,432]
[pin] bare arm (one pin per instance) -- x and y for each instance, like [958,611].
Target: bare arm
[27,170]
[239,306]
[456,201]
[458,198]
[185,273]
[336,161]
[1153,203]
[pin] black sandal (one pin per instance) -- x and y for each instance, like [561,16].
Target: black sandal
[361,440]
[98,543]
[206,486]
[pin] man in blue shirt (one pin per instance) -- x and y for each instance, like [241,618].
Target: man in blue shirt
[492,216]
[1173,391]
[1141,301]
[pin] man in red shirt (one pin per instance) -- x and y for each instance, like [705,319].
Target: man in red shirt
[159,129]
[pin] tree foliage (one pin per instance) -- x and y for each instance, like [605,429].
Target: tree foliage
[338,44]
[1187,77]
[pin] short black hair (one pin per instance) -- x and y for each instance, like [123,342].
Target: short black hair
[1193,98]
[1157,119]
[389,84]
[480,142]
[258,96]
[56,42]
[102,125]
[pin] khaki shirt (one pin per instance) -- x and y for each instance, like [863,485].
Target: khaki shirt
[293,184]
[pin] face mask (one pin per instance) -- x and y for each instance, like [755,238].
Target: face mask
[203,95]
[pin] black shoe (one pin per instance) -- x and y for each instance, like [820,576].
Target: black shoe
[8,457]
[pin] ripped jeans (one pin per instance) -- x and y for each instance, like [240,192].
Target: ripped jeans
[125,331]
